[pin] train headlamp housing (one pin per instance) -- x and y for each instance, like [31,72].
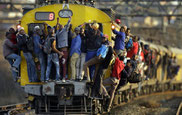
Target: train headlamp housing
[65,13]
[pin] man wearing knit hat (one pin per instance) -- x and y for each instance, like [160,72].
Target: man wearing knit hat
[38,50]
[22,45]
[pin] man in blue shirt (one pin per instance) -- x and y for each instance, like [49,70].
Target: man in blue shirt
[119,41]
[75,52]
[38,51]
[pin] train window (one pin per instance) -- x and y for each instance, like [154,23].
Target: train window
[44,16]
[32,25]
[100,26]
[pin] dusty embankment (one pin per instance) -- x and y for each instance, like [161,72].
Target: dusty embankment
[163,104]
[10,93]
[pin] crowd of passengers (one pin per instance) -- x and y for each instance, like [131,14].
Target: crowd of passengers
[89,54]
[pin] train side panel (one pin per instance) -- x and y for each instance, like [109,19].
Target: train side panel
[179,75]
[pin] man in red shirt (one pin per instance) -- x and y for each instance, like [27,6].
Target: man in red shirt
[114,79]
[13,38]
[134,49]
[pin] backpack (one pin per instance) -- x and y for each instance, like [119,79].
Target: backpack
[129,44]
[48,45]
[29,43]
[135,78]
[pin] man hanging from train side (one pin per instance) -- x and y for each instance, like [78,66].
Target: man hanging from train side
[10,55]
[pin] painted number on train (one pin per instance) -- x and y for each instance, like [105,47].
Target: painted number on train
[44,16]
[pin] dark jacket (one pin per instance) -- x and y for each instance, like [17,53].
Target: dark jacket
[8,47]
[21,40]
[83,44]
[94,39]
[108,58]
[70,37]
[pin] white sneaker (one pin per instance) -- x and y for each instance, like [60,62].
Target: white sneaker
[63,80]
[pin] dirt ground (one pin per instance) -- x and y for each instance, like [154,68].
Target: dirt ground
[10,92]
[164,104]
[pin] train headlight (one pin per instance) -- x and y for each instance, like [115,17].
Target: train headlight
[18,26]
[113,27]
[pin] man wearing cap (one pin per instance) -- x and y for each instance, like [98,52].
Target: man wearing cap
[10,56]
[22,45]
[38,46]
[75,52]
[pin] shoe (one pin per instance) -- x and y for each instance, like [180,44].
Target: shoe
[84,78]
[14,69]
[78,80]
[46,81]
[58,80]
[63,80]
[109,109]
[73,79]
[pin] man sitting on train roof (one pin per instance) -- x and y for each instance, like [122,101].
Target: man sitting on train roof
[120,40]
[53,55]
[22,39]
[62,45]
[9,54]
[38,50]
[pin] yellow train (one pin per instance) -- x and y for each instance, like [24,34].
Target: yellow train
[73,96]
[80,14]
